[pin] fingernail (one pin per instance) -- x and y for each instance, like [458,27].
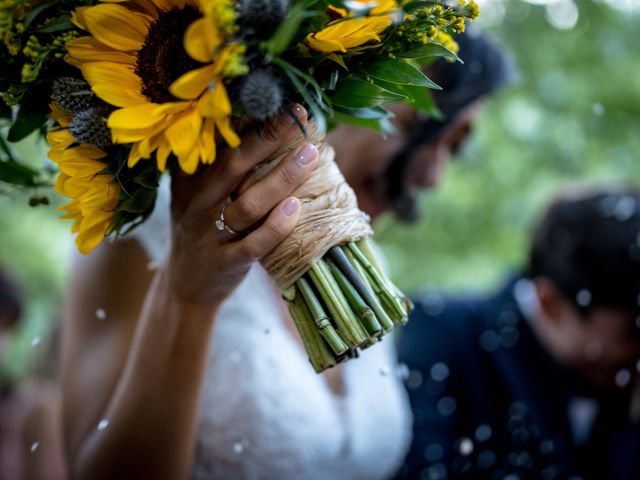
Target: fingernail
[290,206]
[299,112]
[306,154]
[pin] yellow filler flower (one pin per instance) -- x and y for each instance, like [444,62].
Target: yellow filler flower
[94,194]
[346,33]
[170,95]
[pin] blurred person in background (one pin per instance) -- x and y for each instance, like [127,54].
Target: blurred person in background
[30,435]
[388,175]
[183,381]
[540,380]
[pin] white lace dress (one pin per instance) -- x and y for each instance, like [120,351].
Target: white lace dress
[265,414]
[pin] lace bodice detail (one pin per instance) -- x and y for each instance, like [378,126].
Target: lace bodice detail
[265,414]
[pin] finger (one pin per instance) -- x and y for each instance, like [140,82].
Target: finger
[252,206]
[278,225]
[233,164]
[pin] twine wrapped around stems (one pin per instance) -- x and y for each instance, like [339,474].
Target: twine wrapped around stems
[329,212]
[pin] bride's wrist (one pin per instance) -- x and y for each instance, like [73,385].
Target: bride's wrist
[184,290]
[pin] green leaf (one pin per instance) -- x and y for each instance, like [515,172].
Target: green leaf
[148,178]
[359,94]
[16,174]
[56,25]
[422,100]
[315,106]
[140,201]
[418,97]
[373,113]
[412,6]
[394,70]
[34,12]
[26,121]
[286,31]
[333,79]
[430,50]
[303,79]
[382,125]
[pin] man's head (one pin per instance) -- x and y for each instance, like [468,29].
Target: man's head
[585,264]
[386,171]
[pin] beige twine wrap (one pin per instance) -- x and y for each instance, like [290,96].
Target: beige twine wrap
[329,216]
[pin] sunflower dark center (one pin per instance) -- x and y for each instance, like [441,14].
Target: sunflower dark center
[163,59]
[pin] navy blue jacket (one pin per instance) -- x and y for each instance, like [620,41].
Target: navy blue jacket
[489,402]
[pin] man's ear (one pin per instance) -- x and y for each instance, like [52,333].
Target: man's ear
[553,303]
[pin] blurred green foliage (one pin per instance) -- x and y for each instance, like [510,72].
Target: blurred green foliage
[34,249]
[575,116]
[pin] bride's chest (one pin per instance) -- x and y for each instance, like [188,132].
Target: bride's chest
[263,407]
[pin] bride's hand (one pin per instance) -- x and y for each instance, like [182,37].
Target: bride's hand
[206,264]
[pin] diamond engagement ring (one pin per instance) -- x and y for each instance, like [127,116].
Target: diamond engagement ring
[220,225]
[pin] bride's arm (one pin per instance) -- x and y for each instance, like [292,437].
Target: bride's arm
[141,368]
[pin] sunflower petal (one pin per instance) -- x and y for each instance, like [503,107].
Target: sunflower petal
[212,104]
[117,26]
[114,83]
[190,161]
[201,40]
[136,118]
[87,49]
[207,141]
[220,99]
[172,108]
[183,133]
[149,145]
[77,17]
[164,149]
[134,156]
[190,85]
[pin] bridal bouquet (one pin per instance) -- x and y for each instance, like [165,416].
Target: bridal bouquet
[126,90]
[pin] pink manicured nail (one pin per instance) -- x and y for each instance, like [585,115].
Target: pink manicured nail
[299,112]
[290,206]
[306,154]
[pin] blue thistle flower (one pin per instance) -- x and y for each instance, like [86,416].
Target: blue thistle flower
[261,95]
[72,94]
[262,17]
[90,127]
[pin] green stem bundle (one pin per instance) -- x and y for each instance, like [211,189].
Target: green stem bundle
[343,303]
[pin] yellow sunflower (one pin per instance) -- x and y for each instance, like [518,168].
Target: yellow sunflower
[94,195]
[347,33]
[168,86]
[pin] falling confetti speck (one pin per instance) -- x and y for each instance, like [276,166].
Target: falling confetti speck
[439,371]
[238,447]
[35,342]
[597,109]
[583,298]
[403,372]
[34,446]
[415,379]
[101,314]
[623,377]
[465,447]
[103,424]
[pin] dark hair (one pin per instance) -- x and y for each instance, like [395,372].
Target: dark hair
[486,68]
[588,245]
